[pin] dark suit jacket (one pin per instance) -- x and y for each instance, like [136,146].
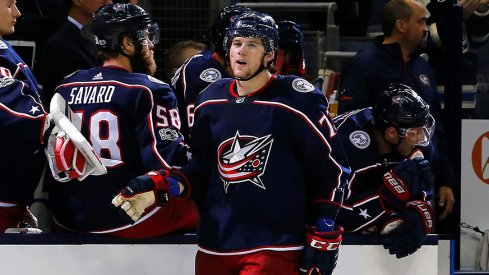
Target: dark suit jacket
[62,54]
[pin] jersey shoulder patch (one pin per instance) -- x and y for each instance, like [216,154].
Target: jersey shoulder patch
[302,86]
[360,139]
[210,75]
[3,45]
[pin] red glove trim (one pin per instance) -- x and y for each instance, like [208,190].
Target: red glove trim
[396,186]
[425,211]
[159,180]
[325,241]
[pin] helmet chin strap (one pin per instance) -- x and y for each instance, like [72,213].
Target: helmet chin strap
[257,71]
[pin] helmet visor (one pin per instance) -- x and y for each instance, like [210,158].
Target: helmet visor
[149,36]
[419,136]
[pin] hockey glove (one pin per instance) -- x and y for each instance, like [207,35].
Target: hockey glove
[416,221]
[145,192]
[411,179]
[321,252]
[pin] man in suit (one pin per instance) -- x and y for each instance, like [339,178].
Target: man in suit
[67,50]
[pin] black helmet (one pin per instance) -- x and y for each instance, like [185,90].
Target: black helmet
[112,21]
[254,25]
[221,23]
[290,35]
[401,107]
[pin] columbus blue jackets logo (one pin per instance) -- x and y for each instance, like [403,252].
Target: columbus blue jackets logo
[360,139]
[243,159]
[302,85]
[3,45]
[210,75]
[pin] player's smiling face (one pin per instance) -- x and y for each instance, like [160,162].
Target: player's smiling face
[246,56]
[8,16]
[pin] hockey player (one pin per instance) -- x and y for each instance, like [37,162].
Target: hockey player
[392,182]
[131,120]
[266,163]
[394,58]
[204,68]
[22,126]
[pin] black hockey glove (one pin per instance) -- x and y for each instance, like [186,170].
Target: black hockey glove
[145,192]
[321,252]
[416,222]
[411,179]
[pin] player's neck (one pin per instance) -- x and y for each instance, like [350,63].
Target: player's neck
[250,86]
[120,61]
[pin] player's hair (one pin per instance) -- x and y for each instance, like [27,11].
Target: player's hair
[221,23]
[393,11]
[400,106]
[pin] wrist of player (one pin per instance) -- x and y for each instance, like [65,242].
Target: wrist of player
[321,251]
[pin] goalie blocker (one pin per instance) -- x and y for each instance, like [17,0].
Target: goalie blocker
[69,154]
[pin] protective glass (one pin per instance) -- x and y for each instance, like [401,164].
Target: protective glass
[149,36]
[419,136]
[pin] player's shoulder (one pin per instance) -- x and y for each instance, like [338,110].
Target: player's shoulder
[5,51]
[204,67]
[296,87]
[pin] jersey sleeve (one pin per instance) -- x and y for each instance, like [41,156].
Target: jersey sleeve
[322,157]
[158,129]
[22,115]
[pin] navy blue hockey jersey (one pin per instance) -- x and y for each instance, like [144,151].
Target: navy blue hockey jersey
[263,164]
[191,79]
[22,125]
[361,208]
[132,122]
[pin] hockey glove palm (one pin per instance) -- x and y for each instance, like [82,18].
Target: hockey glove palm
[145,192]
[416,222]
[321,252]
[411,179]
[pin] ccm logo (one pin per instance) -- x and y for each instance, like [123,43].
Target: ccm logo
[324,245]
[394,183]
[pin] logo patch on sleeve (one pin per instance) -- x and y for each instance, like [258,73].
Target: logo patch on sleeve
[360,139]
[210,75]
[302,86]
[3,45]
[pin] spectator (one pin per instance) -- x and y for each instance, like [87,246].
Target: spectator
[394,59]
[195,74]
[261,142]
[22,123]
[67,50]
[131,120]
[178,54]
[384,140]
